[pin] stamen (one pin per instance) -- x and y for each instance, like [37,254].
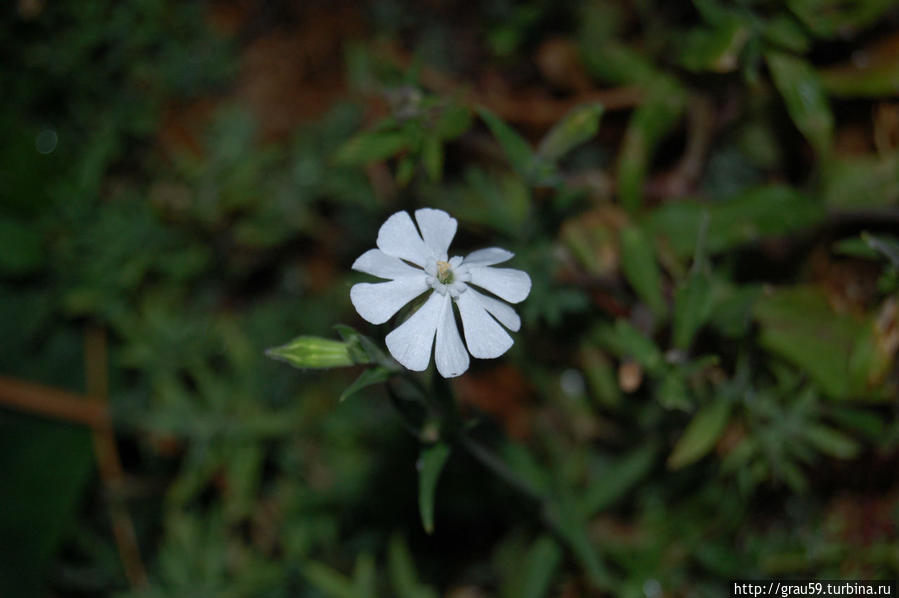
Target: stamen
[444,272]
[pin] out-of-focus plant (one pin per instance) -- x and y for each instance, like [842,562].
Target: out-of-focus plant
[704,383]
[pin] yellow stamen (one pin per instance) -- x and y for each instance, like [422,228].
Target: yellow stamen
[444,272]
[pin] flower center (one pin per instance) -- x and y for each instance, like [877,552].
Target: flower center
[445,273]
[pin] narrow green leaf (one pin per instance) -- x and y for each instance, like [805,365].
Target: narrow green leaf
[855,247]
[402,572]
[785,31]
[639,265]
[693,304]
[452,122]
[540,566]
[799,325]
[573,528]
[313,352]
[405,170]
[832,18]
[693,300]
[369,146]
[330,582]
[754,214]
[364,576]
[862,181]
[830,441]
[617,478]
[601,377]
[430,464]
[432,157]
[805,98]
[626,342]
[651,121]
[701,434]
[371,376]
[672,392]
[619,64]
[715,49]
[576,127]
[517,149]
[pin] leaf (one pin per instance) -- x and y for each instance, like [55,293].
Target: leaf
[748,216]
[432,157]
[540,566]
[452,122]
[330,582]
[430,464]
[576,127]
[701,434]
[573,528]
[626,342]
[862,181]
[785,31]
[601,377]
[618,64]
[732,307]
[832,18]
[617,478]
[46,465]
[402,571]
[651,121]
[715,49]
[405,170]
[855,247]
[370,146]
[638,263]
[799,325]
[672,393]
[313,352]
[364,576]
[805,98]
[369,377]
[830,441]
[514,145]
[693,303]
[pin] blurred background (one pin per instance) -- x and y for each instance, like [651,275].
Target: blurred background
[705,194]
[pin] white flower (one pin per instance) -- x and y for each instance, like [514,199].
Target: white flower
[449,279]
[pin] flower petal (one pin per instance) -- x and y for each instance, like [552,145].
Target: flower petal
[410,343]
[499,310]
[488,257]
[377,263]
[398,237]
[450,354]
[377,302]
[506,283]
[483,335]
[438,229]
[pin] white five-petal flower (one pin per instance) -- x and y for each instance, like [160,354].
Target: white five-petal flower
[413,264]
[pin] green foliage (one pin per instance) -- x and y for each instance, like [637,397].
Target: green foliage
[699,437]
[805,98]
[638,264]
[431,462]
[703,385]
